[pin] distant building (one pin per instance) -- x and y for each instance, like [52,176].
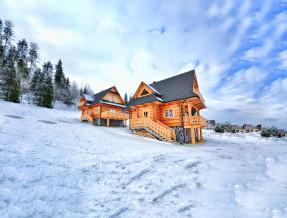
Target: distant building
[282,133]
[250,128]
[210,124]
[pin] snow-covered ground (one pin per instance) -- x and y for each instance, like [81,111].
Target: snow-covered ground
[66,168]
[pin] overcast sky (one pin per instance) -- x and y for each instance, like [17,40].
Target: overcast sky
[238,48]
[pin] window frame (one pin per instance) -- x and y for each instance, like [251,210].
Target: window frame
[169,112]
[110,98]
[116,100]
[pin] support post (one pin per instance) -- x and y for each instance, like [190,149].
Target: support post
[125,123]
[197,133]
[192,135]
[201,136]
[108,122]
[189,114]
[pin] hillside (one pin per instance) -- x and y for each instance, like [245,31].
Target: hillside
[54,165]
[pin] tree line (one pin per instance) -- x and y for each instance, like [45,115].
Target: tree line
[20,75]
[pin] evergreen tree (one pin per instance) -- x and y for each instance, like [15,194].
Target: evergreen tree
[11,84]
[126,98]
[59,75]
[37,85]
[47,93]
[7,37]
[22,61]
[33,56]
[85,91]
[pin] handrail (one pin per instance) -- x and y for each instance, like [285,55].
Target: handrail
[195,120]
[157,127]
[115,115]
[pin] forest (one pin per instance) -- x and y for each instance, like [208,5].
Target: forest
[21,77]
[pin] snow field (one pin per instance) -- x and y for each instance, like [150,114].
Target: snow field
[66,168]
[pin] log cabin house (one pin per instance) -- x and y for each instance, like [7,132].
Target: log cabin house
[169,109]
[104,108]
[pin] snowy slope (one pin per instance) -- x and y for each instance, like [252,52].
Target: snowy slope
[66,168]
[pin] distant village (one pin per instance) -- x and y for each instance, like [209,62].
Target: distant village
[246,128]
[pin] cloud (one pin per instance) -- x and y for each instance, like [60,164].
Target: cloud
[237,48]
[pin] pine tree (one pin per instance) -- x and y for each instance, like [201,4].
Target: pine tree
[11,84]
[7,36]
[59,75]
[33,56]
[47,93]
[126,98]
[37,85]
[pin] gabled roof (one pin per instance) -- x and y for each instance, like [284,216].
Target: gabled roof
[98,98]
[171,89]
[88,97]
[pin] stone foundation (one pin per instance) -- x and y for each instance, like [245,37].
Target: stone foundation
[180,134]
[103,122]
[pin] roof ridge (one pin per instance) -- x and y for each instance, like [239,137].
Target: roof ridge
[174,76]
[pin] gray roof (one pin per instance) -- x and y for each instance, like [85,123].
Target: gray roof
[88,97]
[98,98]
[171,89]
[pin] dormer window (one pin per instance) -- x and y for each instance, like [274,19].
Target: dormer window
[110,98]
[116,100]
[144,92]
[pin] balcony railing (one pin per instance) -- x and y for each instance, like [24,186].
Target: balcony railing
[195,120]
[114,115]
[196,91]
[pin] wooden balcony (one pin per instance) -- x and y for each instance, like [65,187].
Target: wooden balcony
[114,115]
[196,121]
[196,91]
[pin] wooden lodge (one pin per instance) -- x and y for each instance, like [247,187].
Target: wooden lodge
[169,109]
[104,108]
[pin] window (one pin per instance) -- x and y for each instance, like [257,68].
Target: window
[116,100]
[97,111]
[111,110]
[110,98]
[168,113]
[171,113]
[144,92]
[145,114]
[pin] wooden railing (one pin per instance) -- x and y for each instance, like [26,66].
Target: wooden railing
[195,120]
[196,91]
[157,127]
[114,115]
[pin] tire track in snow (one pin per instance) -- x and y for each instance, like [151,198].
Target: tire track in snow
[166,192]
[119,212]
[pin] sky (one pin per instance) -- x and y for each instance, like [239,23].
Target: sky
[237,48]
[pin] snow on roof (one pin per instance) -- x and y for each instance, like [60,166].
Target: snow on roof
[158,98]
[111,103]
[152,88]
[88,97]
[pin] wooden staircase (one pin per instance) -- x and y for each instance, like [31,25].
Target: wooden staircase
[88,118]
[158,129]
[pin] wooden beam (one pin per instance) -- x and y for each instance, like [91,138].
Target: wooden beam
[189,113]
[108,122]
[192,135]
[197,133]
[201,134]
